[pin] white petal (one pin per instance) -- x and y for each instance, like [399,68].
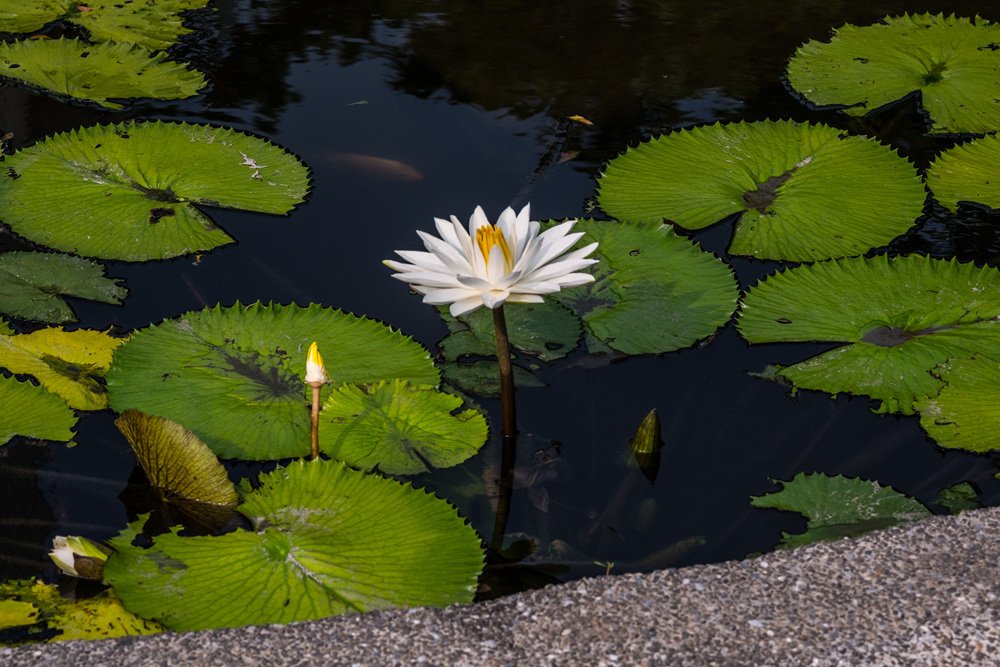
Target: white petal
[574,279]
[556,269]
[451,257]
[447,233]
[428,279]
[537,287]
[463,236]
[496,268]
[426,261]
[477,220]
[494,298]
[437,297]
[473,282]
[464,306]
[517,297]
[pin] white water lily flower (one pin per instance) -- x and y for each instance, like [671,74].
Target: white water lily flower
[491,264]
[78,557]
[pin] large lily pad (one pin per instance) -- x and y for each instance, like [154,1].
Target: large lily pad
[98,73]
[965,414]
[786,181]
[655,291]
[32,282]
[969,172]
[399,428]
[179,466]
[41,609]
[840,506]
[153,25]
[67,363]
[235,375]
[898,319]
[31,411]
[326,540]
[953,62]
[129,191]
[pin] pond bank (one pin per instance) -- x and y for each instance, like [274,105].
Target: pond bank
[921,595]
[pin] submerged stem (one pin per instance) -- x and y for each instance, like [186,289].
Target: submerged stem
[314,423]
[506,373]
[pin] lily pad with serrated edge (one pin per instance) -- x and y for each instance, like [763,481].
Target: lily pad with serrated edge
[655,291]
[326,540]
[67,363]
[31,411]
[965,414]
[969,172]
[129,191]
[802,192]
[840,506]
[99,617]
[98,73]
[400,428]
[897,319]
[31,284]
[953,63]
[152,25]
[180,466]
[235,375]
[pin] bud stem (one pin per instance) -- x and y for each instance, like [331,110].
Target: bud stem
[314,422]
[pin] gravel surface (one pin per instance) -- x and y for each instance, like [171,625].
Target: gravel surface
[928,594]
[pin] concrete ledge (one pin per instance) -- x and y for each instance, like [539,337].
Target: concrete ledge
[928,594]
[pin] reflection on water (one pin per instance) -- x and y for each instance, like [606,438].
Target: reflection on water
[408,110]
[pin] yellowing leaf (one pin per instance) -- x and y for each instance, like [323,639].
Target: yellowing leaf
[67,363]
[14,613]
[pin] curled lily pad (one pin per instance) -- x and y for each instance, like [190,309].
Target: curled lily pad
[235,375]
[965,414]
[840,506]
[326,540]
[786,182]
[152,25]
[953,62]
[399,427]
[99,617]
[179,466]
[128,191]
[31,411]
[67,363]
[896,319]
[98,72]
[967,173]
[655,291]
[31,284]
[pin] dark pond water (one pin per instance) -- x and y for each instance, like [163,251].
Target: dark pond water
[473,97]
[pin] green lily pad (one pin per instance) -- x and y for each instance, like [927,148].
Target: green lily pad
[179,466]
[326,540]
[898,319]
[31,283]
[958,498]
[31,411]
[953,62]
[152,25]
[546,331]
[99,617]
[400,428]
[655,291]
[968,172]
[840,506]
[235,375]
[482,378]
[129,191]
[67,363]
[965,413]
[98,72]
[786,182]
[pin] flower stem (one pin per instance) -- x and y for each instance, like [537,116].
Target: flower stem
[506,373]
[314,423]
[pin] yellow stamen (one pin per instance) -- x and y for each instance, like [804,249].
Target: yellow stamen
[488,236]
